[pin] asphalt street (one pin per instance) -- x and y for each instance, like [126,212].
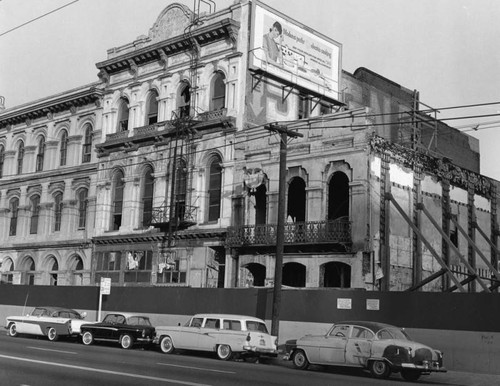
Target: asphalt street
[30,361]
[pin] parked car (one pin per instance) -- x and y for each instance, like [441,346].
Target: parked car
[123,328]
[226,335]
[381,348]
[52,322]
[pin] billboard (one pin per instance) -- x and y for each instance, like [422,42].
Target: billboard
[294,53]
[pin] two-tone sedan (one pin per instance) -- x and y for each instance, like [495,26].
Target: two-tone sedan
[123,328]
[52,322]
[381,348]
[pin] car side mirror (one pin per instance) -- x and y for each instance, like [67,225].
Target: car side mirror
[84,315]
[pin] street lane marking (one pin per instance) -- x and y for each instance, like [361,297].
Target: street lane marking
[150,378]
[49,349]
[198,368]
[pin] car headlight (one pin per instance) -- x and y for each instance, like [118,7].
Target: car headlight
[143,333]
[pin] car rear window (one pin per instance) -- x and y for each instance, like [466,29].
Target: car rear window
[392,333]
[234,325]
[256,326]
[139,321]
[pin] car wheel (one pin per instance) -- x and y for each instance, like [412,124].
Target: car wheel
[300,360]
[166,345]
[224,352]
[13,329]
[410,375]
[126,341]
[379,369]
[87,338]
[52,334]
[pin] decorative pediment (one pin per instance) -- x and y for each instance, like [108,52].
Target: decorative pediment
[170,23]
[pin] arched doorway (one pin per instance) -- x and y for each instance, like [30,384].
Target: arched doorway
[294,275]
[335,274]
[338,196]
[297,200]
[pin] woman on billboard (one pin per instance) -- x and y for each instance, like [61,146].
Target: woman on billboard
[272,43]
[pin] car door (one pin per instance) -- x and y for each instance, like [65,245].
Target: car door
[358,346]
[332,349]
[206,337]
[188,336]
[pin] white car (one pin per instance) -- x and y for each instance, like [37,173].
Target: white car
[226,335]
[51,322]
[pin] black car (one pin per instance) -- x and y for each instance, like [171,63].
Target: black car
[126,329]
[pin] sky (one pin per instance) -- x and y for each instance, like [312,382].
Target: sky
[448,50]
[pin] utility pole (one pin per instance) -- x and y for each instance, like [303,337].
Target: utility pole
[284,133]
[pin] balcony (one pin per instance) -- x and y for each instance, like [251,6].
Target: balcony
[299,233]
[183,216]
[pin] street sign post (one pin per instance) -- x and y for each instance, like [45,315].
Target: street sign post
[105,289]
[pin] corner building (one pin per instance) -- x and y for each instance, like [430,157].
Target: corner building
[175,152]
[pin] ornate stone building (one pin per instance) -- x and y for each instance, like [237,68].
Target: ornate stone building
[165,173]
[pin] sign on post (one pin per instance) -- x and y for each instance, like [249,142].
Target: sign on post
[104,290]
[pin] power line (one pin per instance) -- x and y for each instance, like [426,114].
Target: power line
[36,18]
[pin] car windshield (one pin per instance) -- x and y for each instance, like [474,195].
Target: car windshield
[114,319]
[256,326]
[139,321]
[392,333]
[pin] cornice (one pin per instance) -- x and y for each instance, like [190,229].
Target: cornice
[47,107]
[224,29]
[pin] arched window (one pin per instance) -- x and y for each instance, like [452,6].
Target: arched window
[335,274]
[180,189]
[76,268]
[35,212]
[147,197]
[294,275]
[20,157]
[152,108]
[258,275]
[2,158]
[184,100]
[82,208]
[218,100]
[64,148]
[118,187]
[58,206]
[87,144]
[14,211]
[40,155]
[6,275]
[123,115]
[214,189]
[53,268]
[29,271]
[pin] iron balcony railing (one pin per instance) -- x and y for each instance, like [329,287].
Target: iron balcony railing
[179,213]
[308,232]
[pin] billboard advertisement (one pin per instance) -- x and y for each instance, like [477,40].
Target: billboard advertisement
[292,52]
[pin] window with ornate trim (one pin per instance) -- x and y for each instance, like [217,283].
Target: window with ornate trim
[64,148]
[35,213]
[87,144]
[184,100]
[2,158]
[118,188]
[41,154]
[214,189]
[152,108]
[14,212]
[218,97]
[82,208]
[123,114]
[20,157]
[58,208]
[147,197]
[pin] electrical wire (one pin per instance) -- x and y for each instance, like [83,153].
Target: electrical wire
[37,18]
